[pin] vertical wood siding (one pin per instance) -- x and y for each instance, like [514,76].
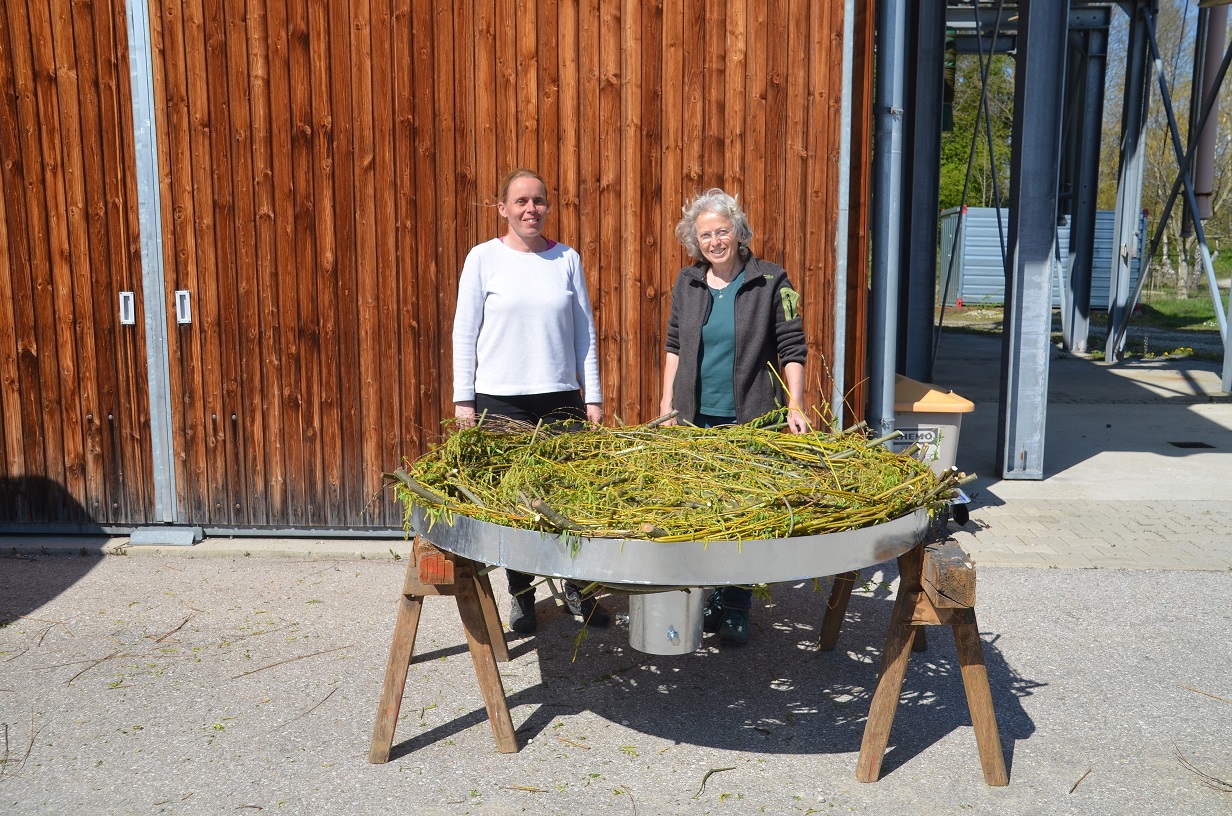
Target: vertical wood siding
[73,405]
[858,259]
[324,168]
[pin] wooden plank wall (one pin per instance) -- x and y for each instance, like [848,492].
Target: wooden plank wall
[325,166]
[858,247]
[73,405]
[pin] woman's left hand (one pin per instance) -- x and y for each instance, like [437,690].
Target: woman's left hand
[594,412]
[797,422]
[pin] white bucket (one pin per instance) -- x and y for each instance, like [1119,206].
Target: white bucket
[667,623]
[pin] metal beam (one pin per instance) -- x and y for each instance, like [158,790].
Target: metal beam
[971,44]
[967,18]
[1116,331]
[838,365]
[1088,63]
[885,230]
[153,286]
[922,188]
[1126,241]
[1182,161]
[1034,161]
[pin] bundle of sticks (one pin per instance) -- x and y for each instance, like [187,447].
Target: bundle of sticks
[677,483]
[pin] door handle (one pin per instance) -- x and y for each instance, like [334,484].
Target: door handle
[183,306]
[128,315]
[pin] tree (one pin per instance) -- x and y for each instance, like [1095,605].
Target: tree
[985,167]
[1176,265]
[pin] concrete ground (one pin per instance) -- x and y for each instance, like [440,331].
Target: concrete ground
[243,675]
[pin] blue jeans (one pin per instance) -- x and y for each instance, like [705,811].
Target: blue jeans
[734,597]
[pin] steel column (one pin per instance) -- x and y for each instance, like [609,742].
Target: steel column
[1034,163]
[1089,62]
[1126,241]
[922,185]
[1117,329]
[838,365]
[153,286]
[885,230]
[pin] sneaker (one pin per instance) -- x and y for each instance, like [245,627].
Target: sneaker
[712,616]
[588,609]
[522,613]
[734,630]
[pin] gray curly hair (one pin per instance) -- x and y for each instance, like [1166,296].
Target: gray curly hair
[715,201]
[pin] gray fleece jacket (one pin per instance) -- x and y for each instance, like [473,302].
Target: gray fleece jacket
[769,332]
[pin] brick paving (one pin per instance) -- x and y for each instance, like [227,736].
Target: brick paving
[1117,492]
[1114,534]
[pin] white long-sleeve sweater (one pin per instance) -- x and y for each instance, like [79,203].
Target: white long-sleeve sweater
[523,324]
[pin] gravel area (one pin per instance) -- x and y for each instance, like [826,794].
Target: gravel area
[188,685]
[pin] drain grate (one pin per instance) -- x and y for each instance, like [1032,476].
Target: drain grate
[1190,445]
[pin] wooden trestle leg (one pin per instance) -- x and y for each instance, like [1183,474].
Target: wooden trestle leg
[433,572]
[836,609]
[936,587]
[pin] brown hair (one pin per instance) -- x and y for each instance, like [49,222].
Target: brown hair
[514,176]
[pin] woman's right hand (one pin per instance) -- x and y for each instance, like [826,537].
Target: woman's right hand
[670,363]
[464,413]
[665,408]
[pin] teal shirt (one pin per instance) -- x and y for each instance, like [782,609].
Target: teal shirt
[718,352]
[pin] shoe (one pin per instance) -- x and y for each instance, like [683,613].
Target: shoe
[712,616]
[588,609]
[734,630]
[522,613]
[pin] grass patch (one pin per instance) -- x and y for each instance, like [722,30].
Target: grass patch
[1155,311]
[1194,313]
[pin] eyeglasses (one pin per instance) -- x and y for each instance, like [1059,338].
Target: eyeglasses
[719,234]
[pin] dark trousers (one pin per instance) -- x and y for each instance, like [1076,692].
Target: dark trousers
[533,408]
[734,597]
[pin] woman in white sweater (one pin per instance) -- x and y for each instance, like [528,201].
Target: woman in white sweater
[524,345]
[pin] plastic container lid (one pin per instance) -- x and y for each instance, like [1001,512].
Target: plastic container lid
[921,398]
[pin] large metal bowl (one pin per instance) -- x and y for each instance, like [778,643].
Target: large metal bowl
[637,565]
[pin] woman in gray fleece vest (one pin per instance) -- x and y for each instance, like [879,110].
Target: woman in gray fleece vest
[734,333]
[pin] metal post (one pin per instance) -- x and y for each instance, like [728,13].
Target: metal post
[1117,329]
[1089,86]
[838,365]
[885,231]
[1034,163]
[1182,160]
[153,286]
[1129,184]
[1213,43]
[1196,86]
[922,184]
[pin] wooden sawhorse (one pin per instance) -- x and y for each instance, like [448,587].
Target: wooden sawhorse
[936,588]
[433,572]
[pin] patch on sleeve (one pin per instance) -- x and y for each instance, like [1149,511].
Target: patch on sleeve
[791,303]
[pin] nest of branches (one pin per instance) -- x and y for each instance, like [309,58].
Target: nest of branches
[678,483]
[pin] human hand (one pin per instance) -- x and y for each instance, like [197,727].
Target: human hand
[464,413]
[594,412]
[797,422]
[665,408]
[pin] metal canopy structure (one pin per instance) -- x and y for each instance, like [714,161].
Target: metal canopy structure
[1060,51]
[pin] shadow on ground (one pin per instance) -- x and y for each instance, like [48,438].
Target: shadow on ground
[19,593]
[1093,407]
[776,695]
